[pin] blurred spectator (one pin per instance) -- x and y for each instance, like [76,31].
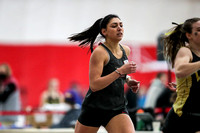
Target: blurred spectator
[136,100]
[52,95]
[155,89]
[71,116]
[164,103]
[9,94]
[52,99]
[75,90]
[165,99]
[141,96]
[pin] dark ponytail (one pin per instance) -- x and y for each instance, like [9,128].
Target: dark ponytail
[176,38]
[89,36]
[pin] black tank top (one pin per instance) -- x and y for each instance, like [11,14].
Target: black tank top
[188,92]
[112,97]
[193,103]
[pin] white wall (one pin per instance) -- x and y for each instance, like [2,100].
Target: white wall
[54,20]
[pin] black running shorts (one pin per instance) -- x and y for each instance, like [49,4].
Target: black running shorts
[97,117]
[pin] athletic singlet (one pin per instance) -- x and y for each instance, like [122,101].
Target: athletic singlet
[188,92]
[52,100]
[112,97]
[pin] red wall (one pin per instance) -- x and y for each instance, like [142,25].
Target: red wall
[34,65]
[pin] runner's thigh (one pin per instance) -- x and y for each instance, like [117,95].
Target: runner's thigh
[80,128]
[120,124]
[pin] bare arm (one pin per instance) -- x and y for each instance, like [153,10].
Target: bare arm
[183,66]
[97,61]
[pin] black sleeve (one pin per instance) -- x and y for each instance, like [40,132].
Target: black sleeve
[9,89]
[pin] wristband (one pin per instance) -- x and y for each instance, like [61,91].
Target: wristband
[118,72]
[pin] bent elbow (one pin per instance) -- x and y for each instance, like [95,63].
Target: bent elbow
[93,88]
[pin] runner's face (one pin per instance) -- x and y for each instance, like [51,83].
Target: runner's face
[114,30]
[195,35]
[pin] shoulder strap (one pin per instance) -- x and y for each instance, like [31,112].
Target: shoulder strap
[105,47]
